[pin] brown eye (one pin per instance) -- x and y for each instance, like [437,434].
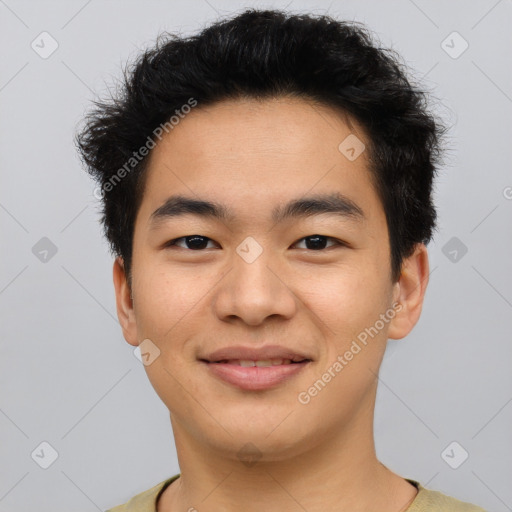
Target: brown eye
[318,242]
[192,242]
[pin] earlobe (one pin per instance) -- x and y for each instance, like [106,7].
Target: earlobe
[124,303]
[410,292]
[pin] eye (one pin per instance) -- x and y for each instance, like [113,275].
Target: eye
[199,242]
[192,242]
[318,242]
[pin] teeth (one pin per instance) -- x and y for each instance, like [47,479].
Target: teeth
[261,363]
[267,362]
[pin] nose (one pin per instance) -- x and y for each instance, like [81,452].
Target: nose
[253,291]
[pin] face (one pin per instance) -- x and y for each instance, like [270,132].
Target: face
[256,280]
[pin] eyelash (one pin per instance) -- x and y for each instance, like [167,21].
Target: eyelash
[173,243]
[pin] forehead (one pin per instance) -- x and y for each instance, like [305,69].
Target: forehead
[283,129]
[257,152]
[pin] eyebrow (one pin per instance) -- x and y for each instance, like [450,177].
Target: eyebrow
[334,204]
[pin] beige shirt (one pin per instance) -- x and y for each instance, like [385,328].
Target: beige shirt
[425,500]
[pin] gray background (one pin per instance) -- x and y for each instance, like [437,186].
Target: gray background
[67,376]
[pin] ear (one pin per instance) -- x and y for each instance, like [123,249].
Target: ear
[409,293]
[124,303]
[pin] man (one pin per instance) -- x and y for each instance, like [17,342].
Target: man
[267,188]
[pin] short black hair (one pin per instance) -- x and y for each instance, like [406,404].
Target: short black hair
[265,54]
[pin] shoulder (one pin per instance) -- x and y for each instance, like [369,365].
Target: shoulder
[427,501]
[144,501]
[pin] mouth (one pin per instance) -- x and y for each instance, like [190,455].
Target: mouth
[255,370]
[260,363]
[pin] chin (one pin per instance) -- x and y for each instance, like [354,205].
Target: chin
[265,441]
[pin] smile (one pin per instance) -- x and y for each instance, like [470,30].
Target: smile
[256,375]
[261,363]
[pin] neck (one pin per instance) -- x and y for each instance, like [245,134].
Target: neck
[338,472]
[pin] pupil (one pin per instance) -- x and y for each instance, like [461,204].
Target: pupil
[318,242]
[196,242]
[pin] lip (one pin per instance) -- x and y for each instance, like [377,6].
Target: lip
[255,354]
[255,378]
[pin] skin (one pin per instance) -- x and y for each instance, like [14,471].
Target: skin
[252,156]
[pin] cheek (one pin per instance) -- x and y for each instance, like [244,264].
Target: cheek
[165,302]
[164,299]
[346,300]
[349,307]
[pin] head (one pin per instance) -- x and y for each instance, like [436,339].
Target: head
[302,159]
